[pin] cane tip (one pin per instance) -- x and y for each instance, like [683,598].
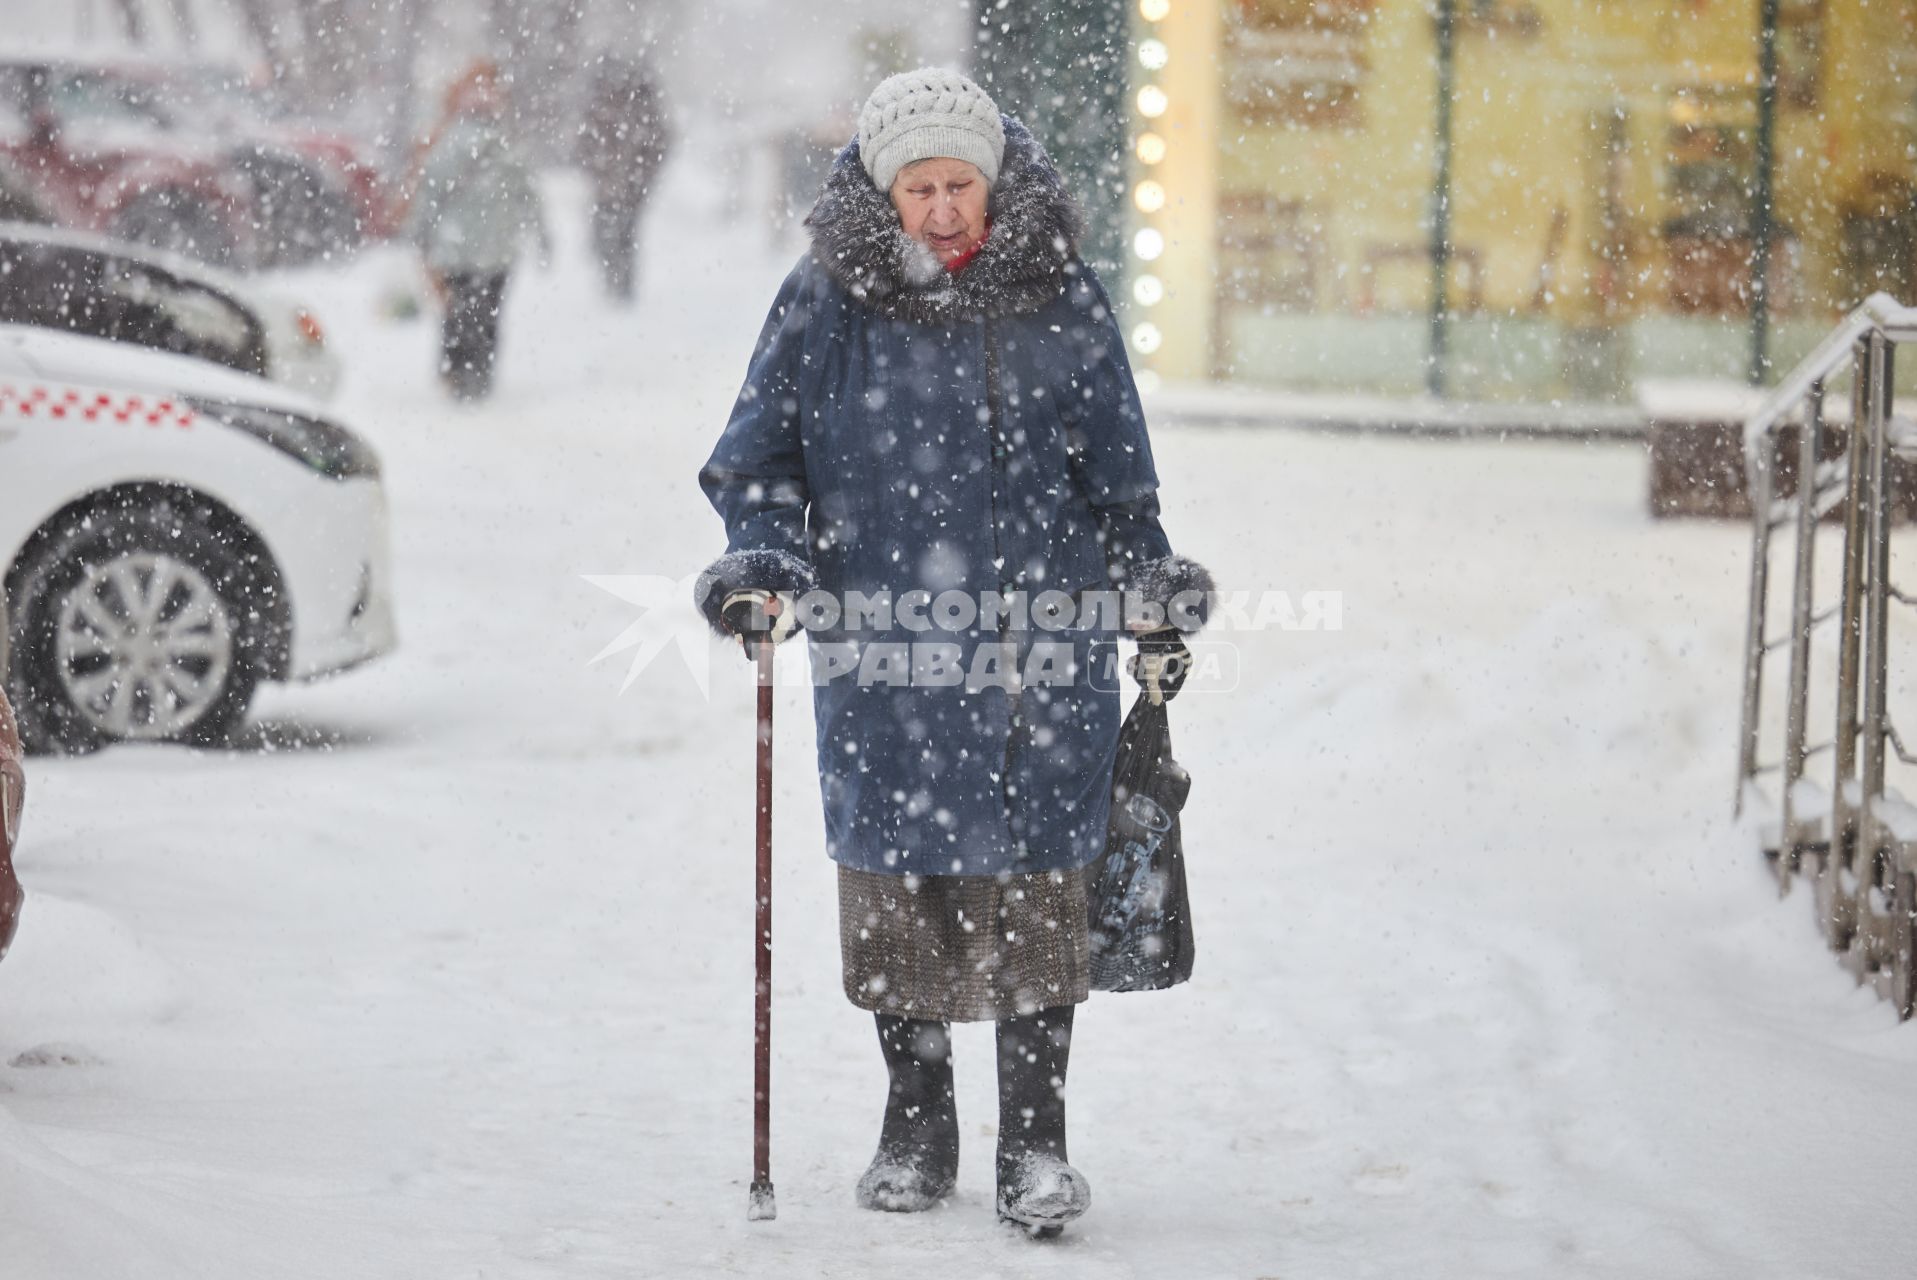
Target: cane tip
[760,1206]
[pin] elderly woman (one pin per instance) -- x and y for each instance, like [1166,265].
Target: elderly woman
[939,410]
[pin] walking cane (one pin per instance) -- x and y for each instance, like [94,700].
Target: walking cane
[760,1206]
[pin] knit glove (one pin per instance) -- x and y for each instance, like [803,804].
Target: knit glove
[760,616]
[1161,664]
[753,615]
[736,593]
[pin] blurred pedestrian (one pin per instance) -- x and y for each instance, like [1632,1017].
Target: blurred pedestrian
[939,405]
[623,141]
[474,204]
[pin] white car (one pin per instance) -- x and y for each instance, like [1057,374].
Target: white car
[88,284]
[171,534]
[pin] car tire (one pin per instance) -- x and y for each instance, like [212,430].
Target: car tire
[178,222]
[131,624]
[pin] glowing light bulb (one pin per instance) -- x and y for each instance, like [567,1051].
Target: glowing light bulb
[1148,243]
[1149,197]
[1149,290]
[1152,102]
[1146,337]
[1153,55]
[1154,10]
[1151,148]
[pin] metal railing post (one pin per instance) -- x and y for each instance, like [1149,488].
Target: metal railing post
[1876,668]
[1833,908]
[1899,883]
[1796,709]
[1758,465]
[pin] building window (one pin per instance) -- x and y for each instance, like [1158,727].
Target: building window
[1800,52]
[1300,63]
[1880,238]
[1271,252]
[1498,18]
[1709,175]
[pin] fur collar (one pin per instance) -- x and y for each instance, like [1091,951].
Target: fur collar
[1022,266]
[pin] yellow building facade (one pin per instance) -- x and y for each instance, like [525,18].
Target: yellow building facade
[1601,195]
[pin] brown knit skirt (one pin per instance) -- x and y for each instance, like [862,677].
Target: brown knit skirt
[964,948]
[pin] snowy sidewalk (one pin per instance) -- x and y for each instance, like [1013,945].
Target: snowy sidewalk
[450,975]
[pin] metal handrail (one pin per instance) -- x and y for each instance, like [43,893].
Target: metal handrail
[1879,313]
[1857,852]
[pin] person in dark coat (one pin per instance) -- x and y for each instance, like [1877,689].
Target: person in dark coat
[623,141]
[939,419]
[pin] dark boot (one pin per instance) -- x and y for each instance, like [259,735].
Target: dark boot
[917,1161]
[1037,1189]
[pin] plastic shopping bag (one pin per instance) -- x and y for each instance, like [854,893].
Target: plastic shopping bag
[1140,909]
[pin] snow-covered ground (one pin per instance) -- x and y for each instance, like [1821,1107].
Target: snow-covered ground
[449,972]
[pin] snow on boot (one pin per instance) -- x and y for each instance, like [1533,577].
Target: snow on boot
[1040,1192]
[1037,1189]
[917,1161]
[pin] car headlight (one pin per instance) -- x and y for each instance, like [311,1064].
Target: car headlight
[326,447]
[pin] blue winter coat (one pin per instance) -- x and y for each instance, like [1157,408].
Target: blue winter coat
[901,429]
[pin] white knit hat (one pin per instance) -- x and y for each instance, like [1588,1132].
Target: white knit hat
[917,115]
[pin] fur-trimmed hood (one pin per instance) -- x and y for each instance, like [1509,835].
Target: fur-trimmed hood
[1022,265]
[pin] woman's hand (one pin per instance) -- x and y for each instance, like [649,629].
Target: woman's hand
[754,615]
[1161,664]
[753,593]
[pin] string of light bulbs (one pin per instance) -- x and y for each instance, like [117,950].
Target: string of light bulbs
[1148,193]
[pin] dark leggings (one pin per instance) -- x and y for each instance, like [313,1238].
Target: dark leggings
[615,242]
[469,336]
[1033,1054]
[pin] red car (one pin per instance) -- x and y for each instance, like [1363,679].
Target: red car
[13,793]
[319,186]
[191,158]
[100,159]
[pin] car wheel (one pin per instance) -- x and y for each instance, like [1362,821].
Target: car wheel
[131,625]
[178,222]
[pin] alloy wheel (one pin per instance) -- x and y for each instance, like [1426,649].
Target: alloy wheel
[144,646]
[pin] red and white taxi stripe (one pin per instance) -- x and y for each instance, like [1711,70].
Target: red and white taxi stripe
[93,406]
